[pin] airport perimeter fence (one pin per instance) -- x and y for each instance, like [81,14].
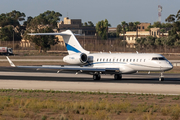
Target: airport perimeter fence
[93,44]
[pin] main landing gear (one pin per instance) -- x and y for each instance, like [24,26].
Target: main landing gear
[117,76]
[96,77]
[161,78]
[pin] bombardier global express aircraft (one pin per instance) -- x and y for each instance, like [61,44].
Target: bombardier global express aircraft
[104,63]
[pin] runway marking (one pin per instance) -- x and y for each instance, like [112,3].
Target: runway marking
[82,82]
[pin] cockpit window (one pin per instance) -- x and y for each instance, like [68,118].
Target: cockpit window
[154,58]
[162,58]
[158,58]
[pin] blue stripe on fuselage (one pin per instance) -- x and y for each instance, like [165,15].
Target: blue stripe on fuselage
[71,48]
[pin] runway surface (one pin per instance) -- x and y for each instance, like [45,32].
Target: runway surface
[13,78]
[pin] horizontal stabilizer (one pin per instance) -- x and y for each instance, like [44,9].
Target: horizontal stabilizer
[62,34]
[70,41]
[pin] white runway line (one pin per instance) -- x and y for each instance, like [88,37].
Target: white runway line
[92,86]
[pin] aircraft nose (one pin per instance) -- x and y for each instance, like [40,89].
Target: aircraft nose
[169,66]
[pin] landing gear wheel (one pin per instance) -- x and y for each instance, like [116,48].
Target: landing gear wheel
[96,77]
[117,76]
[161,79]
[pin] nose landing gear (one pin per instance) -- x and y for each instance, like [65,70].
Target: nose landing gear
[161,78]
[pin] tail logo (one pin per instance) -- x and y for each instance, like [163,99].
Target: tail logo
[71,48]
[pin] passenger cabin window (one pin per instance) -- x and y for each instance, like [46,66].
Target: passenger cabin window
[123,60]
[133,60]
[144,60]
[97,59]
[106,60]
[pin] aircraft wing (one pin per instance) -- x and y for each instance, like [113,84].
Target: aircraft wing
[69,68]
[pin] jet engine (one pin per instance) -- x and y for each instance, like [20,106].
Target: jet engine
[77,58]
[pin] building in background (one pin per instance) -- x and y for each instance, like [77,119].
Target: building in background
[131,36]
[75,25]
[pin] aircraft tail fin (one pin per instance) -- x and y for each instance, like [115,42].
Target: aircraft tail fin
[72,44]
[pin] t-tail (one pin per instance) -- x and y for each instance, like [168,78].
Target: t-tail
[72,44]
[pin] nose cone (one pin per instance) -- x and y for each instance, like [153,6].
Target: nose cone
[169,66]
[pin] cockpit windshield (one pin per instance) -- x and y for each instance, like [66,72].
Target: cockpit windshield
[158,58]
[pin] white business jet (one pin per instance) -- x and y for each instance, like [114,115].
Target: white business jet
[104,63]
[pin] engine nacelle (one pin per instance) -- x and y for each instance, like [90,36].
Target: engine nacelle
[77,58]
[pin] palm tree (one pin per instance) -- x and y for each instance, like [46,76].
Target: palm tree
[102,28]
[136,24]
[162,31]
[106,25]
[124,29]
[178,15]
[170,18]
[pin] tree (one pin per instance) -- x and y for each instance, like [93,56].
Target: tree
[44,22]
[124,28]
[170,18]
[157,24]
[102,28]
[149,27]
[171,40]
[140,42]
[47,18]
[90,24]
[43,43]
[136,27]
[162,31]
[19,16]
[6,34]
[164,42]
[85,24]
[11,18]
[10,25]
[118,30]
[158,42]
[131,26]
[178,15]
[174,37]
[150,41]
[28,21]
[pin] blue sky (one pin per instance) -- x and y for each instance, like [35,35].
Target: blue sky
[115,11]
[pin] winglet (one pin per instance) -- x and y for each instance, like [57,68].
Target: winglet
[10,62]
